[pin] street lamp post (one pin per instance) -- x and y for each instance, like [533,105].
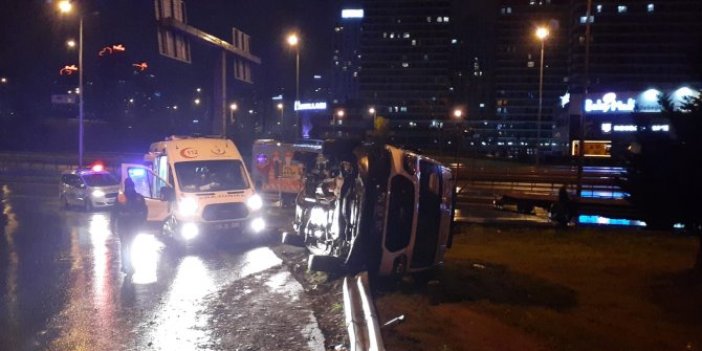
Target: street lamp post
[280,108]
[372,112]
[65,6]
[340,113]
[458,115]
[294,42]
[541,33]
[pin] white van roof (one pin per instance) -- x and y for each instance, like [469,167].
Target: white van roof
[194,148]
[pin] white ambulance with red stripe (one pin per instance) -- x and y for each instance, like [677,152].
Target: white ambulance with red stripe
[197,185]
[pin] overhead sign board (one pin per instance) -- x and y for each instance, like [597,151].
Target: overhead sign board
[172,44]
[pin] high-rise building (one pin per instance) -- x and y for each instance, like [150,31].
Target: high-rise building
[635,44]
[518,70]
[346,60]
[405,59]
[640,50]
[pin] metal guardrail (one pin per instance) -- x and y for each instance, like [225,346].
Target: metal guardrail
[35,163]
[361,317]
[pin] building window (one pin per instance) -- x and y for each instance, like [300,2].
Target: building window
[599,8]
[406,35]
[439,19]
[621,9]
[583,19]
[414,42]
[651,8]
[429,19]
[446,20]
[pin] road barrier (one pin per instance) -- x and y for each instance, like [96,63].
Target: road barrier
[361,317]
[49,164]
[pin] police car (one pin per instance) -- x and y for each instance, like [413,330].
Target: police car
[90,189]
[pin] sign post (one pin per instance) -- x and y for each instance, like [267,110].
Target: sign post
[174,36]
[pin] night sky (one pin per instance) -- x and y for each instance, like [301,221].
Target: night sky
[33,35]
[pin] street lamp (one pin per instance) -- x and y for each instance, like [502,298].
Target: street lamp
[3,80]
[339,114]
[280,108]
[541,33]
[71,43]
[65,7]
[294,42]
[197,101]
[458,115]
[371,111]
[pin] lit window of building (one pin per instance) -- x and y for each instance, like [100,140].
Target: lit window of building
[651,7]
[621,9]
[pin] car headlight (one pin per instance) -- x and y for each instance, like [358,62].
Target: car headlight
[318,216]
[258,225]
[189,231]
[98,193]
[188,206]
[255,202]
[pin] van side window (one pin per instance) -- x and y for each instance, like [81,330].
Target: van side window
[400,213]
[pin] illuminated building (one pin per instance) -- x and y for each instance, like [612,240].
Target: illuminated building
[517,69]
[346,58]
[405,48]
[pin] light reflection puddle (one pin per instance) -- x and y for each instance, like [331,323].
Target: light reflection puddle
[182,322]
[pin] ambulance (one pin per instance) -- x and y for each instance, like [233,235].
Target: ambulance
[194,186]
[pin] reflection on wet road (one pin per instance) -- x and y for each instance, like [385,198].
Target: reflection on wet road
[62,288]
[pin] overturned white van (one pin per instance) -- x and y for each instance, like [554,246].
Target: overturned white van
[197,185]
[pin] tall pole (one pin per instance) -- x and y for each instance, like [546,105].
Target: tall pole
[297,73]
[82,92]
[297,89]
[586,88]
[541,102]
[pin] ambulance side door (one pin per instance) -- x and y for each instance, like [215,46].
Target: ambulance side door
[144,180]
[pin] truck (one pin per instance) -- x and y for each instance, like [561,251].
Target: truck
[197,185]
[277,169]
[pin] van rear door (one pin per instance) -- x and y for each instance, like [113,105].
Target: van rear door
[143,179]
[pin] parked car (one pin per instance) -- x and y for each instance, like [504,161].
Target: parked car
[375,207]
[90,189]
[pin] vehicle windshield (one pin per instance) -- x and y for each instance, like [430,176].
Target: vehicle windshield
[100,179]
[220,175]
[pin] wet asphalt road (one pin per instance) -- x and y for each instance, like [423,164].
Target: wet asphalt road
[61,288]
